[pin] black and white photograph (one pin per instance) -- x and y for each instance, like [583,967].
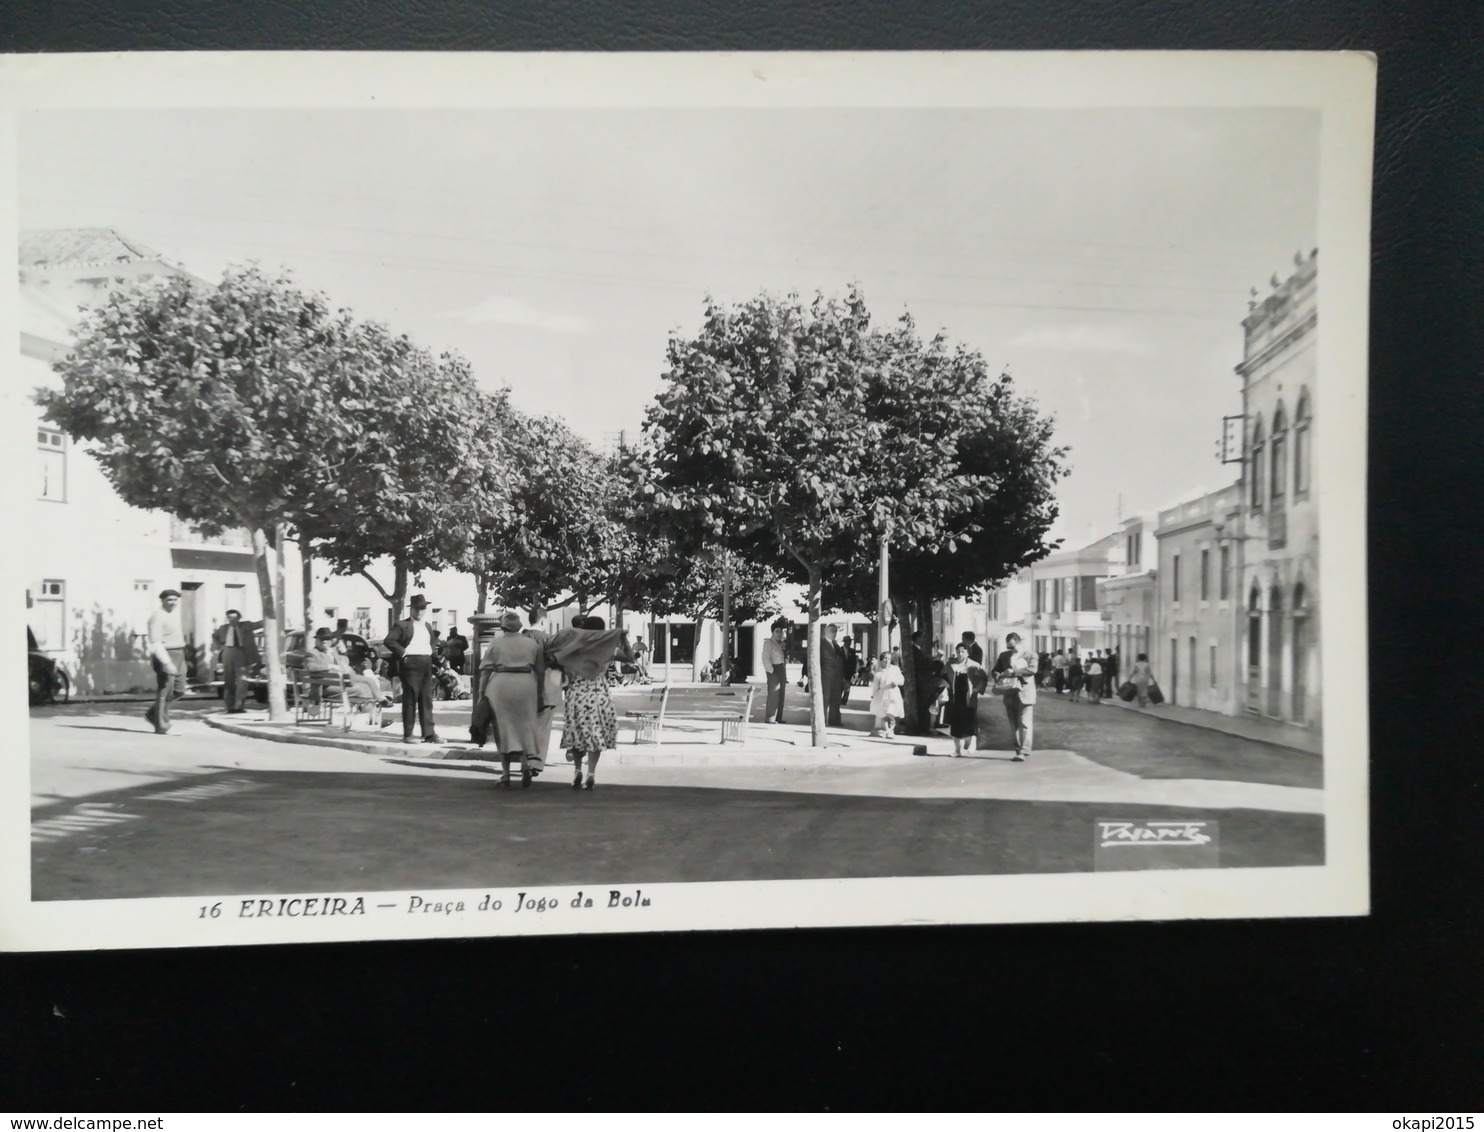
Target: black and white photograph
[467,498]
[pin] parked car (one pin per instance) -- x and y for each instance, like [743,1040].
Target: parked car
[47,678]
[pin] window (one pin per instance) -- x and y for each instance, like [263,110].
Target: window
[144,586]
[1213,666]
[1278,460]
[53,456]
[1301,446]
[1255,496]
[51,615]
[1089,595]
[1175,579]
[1131,550]
[1205,574]
[452,617]
[682,643]
[363,620]
[1226,574]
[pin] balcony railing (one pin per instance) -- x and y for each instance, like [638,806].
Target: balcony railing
[183,533]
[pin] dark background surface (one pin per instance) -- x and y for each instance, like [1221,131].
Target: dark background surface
[1380,1013]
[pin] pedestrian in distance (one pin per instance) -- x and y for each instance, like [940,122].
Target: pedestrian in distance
[1043,669]
[886,695]
[590,727]
[1015,679]
[832,676]
[852,666]
[512,675]
[775,671]
[1076,677]
[1110,671]
[1095,679]
[1059,671]
[1141,676]
[166,643]
[940,688]
[237,650]
[456,650]
[411,644]
[967,683]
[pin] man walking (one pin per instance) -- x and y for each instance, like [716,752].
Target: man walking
[852,666]
[831,676]
[238,652]
[166,643]
[1020,704]
[411,642]
[1059,670]
[775,668]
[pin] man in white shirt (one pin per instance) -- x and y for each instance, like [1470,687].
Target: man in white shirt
[775,668]
[166,643]
[411,642]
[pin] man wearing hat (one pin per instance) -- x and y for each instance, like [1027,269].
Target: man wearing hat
[166,644]
[411,642]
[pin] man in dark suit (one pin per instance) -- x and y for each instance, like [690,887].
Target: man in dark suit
[832,676]
[411,642]
[976,653]
[237,647]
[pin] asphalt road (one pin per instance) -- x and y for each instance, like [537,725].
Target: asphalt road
[121,813]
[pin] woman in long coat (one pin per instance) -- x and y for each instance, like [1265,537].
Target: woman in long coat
[590,727]
[512,674]
[968,681]
[551,691]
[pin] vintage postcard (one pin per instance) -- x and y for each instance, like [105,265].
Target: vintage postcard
[464,495]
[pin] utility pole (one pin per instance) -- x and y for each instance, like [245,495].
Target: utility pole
[883,596]
[726,617]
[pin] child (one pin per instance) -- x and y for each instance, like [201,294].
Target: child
[886,696]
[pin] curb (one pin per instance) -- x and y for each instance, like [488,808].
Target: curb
[626,754]
[1273,742]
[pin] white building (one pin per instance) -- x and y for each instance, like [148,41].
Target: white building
[95,563]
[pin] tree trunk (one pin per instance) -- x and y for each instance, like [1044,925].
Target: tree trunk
[399,589]
[306,563]
[272,643]
[280,590]
[483,582]
[816,686]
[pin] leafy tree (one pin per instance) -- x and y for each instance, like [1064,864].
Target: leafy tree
[563,527]
[773,437]
[213,403]
[430,460]
[996,439]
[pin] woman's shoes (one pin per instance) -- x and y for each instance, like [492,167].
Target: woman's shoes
[505,780]
[525,778]
[588,785]
[577,781]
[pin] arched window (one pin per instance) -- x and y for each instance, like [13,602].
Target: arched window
[1301,446]
[1278,456]
[1256,497]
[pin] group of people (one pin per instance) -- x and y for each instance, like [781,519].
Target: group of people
[522,675]
[1069,671]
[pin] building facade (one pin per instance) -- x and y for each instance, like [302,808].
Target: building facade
[1278,526]
[1064,596]
[1128,600]
[1195,653]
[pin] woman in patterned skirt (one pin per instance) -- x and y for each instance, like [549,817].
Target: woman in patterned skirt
[584,653]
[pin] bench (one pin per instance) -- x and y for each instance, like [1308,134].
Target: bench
[318,694]
[731,706]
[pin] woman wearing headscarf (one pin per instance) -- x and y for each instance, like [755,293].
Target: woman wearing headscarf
[551,690]
[512,674]
[590,727]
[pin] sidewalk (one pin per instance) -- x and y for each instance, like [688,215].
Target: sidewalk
[1242,726]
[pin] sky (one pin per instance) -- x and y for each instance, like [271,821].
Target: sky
[1103,257]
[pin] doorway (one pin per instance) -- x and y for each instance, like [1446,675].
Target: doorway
[1174,670]
[195,625]
[742,642]
[1275,653]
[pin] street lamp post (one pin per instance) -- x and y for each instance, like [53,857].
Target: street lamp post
[726,617]
[883,595]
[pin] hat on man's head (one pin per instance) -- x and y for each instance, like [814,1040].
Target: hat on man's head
[418,602]
[169,593]
[511,622]
[323,634]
